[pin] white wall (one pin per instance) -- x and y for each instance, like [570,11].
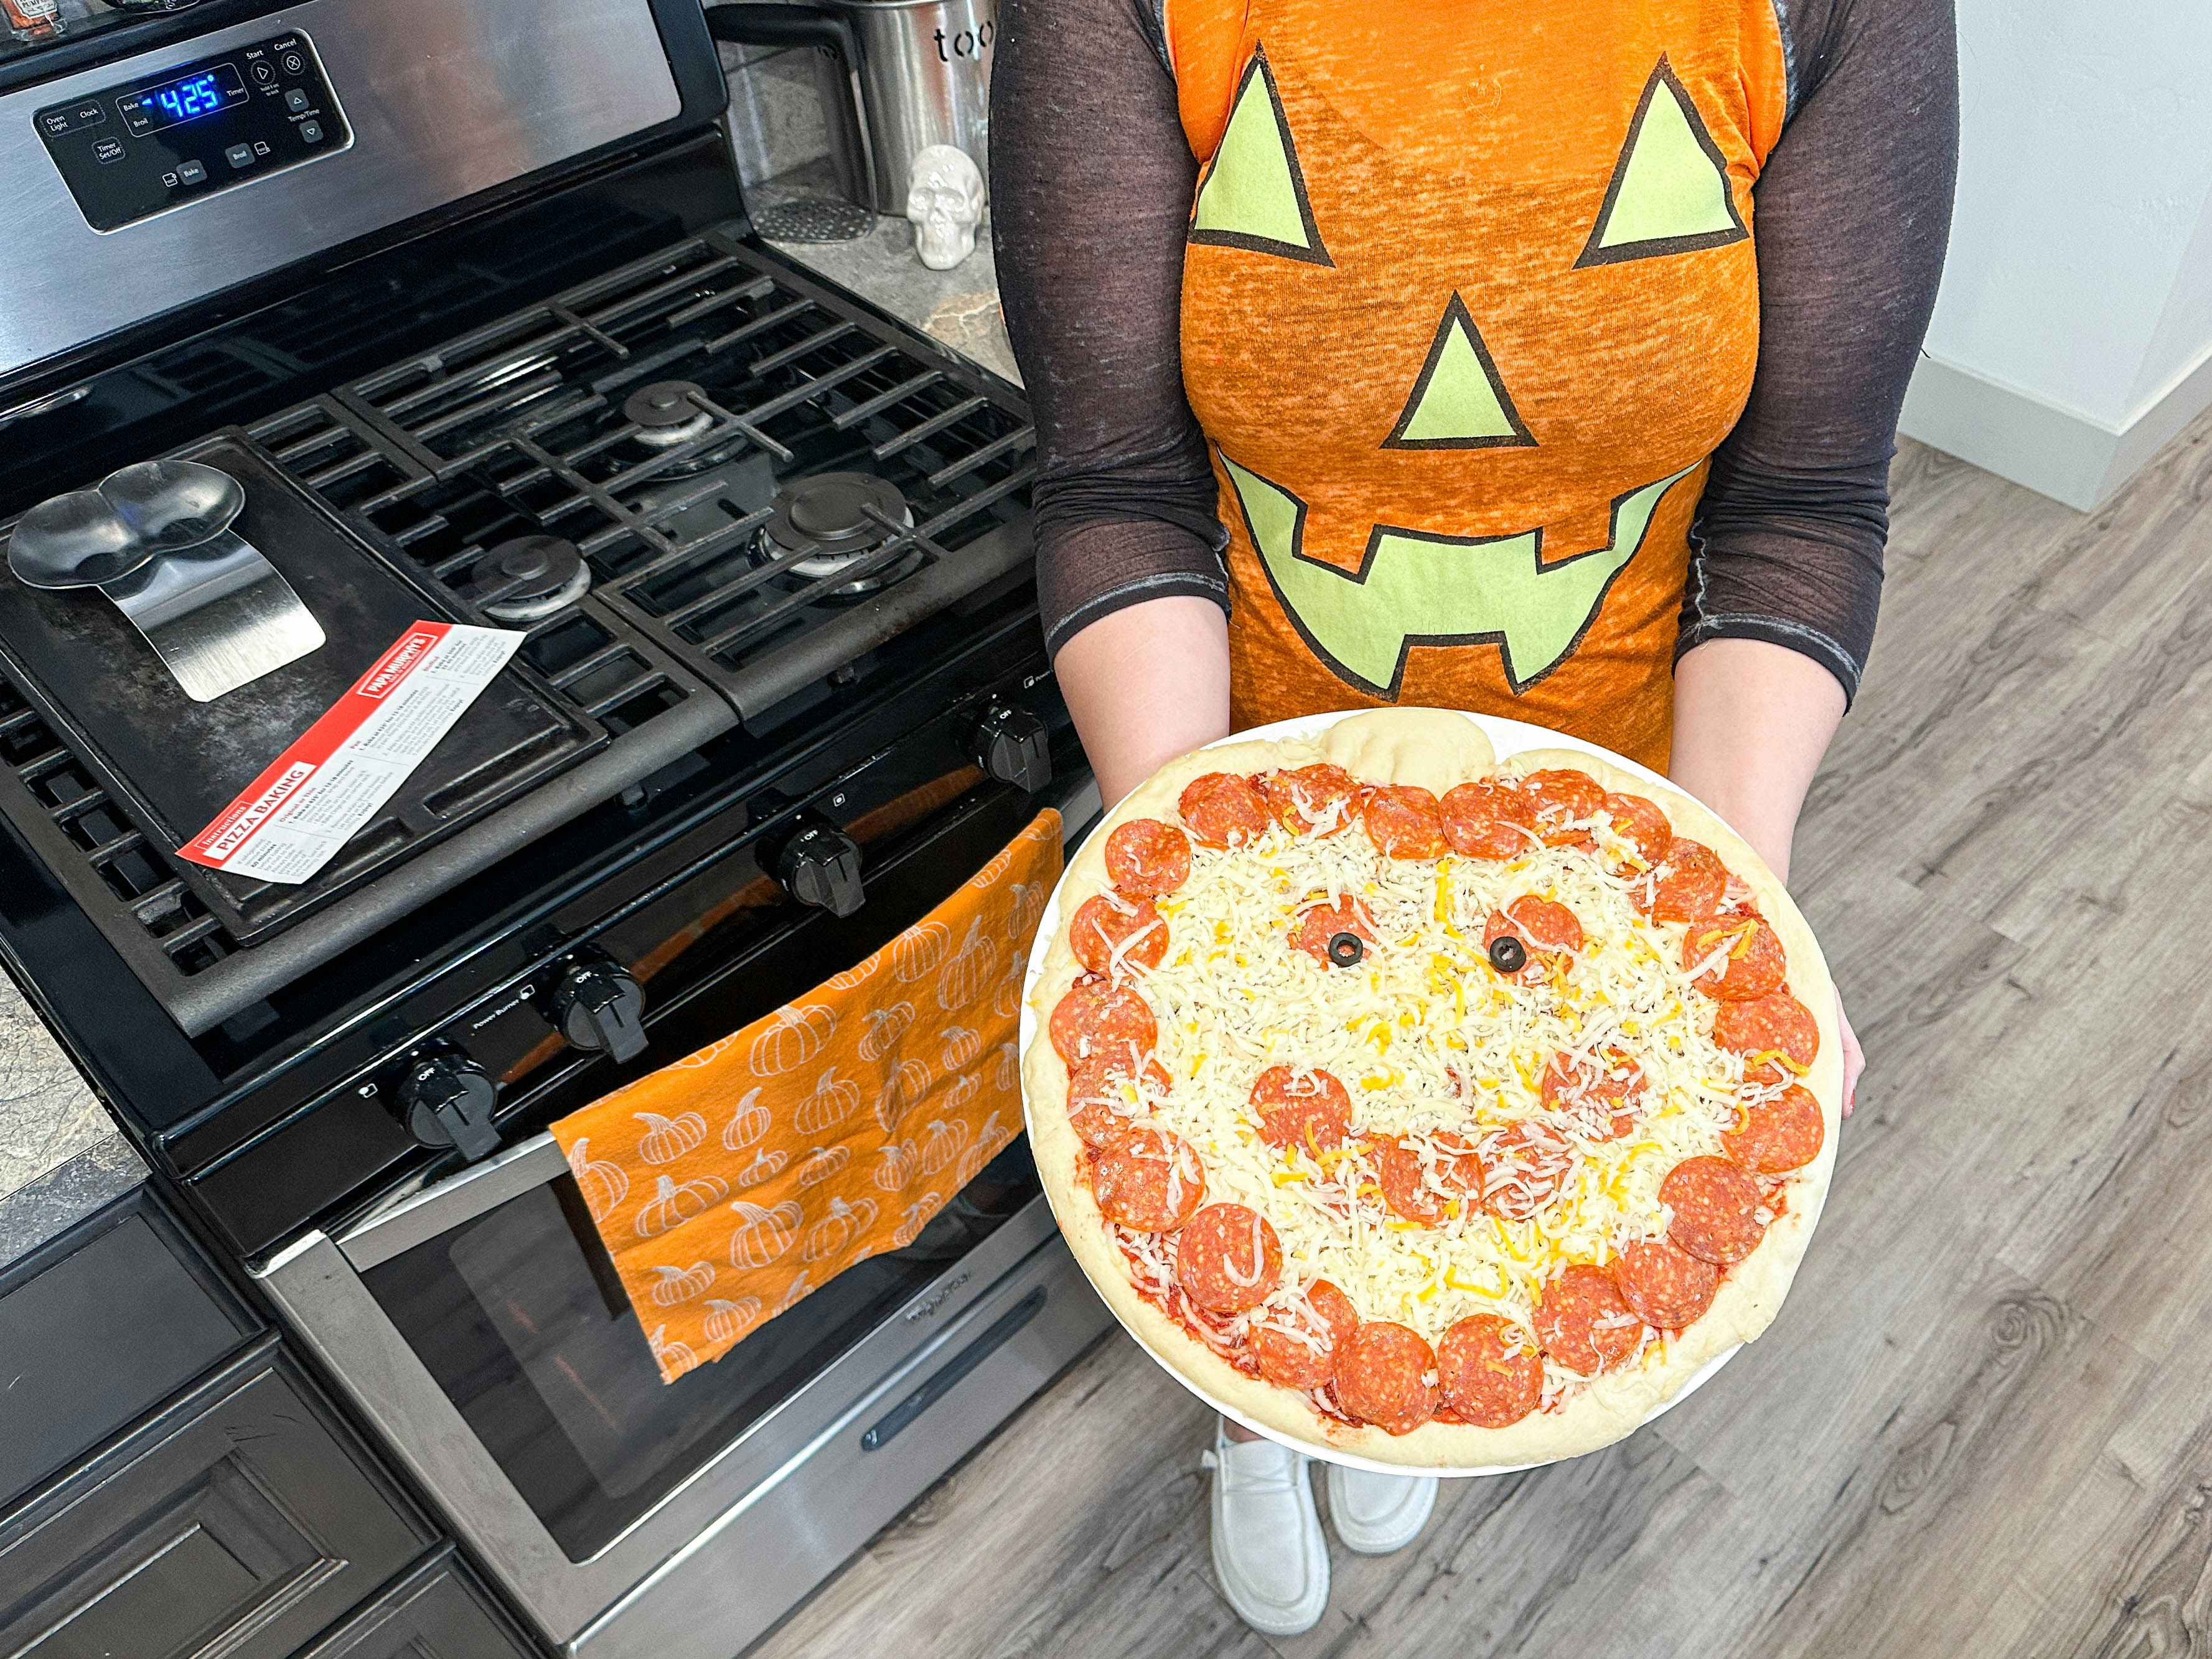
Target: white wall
[2073,334]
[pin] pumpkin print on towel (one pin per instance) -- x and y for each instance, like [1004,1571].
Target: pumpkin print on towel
[732,1184]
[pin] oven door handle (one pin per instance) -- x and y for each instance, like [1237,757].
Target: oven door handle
[459,1198]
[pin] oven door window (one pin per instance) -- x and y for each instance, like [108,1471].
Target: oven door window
[518,1316]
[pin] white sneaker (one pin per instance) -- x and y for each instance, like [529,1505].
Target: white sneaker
[1375,1513]
[1268,1552]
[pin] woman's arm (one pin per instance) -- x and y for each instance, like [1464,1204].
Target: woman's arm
[1851,214]
[1146,683]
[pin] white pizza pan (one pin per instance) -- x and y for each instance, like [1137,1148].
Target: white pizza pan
[1508,737]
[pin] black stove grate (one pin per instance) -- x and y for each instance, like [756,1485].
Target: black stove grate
[693,622]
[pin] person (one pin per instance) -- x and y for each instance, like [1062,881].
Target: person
[1543,359]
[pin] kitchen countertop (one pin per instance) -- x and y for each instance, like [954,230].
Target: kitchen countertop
[958,307]
[61,1157]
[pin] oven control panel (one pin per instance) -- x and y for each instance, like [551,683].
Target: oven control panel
[142,147]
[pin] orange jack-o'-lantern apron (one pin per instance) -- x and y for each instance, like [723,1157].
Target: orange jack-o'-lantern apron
[1470,298]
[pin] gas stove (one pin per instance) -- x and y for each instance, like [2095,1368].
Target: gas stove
[502,349]
[701,482]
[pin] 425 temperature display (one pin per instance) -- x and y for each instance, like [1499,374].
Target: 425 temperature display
[185,100]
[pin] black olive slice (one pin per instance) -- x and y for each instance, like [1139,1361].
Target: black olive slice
[1508,954]
[1345,950]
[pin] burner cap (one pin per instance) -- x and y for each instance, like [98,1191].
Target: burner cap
[667,413]
[837,519]
[530,578]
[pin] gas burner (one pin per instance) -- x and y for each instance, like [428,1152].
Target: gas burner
[667,413]
[528,579]
[837,519]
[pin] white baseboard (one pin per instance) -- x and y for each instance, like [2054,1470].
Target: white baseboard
[2057,452]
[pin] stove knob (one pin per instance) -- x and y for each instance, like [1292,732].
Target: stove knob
[601,1008]
[1012,745]
[448,1099]
[821,865]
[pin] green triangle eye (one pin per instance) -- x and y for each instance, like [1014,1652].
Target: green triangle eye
[1670,191]
[1459,401]
[1255,194]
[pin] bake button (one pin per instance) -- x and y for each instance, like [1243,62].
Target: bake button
[107,152]
[311,132]
[295,100]
[240,155]
[293,64]
[191,172]
[264,72]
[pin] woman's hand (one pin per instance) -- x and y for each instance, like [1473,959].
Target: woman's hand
[1751,723]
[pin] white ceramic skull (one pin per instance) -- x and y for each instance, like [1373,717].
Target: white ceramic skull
[945,201]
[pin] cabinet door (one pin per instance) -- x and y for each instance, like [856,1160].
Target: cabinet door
[239,1522]
[433,1612]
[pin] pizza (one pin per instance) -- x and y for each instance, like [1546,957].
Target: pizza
[1427,1109]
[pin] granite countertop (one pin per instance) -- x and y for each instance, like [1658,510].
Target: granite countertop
[958,307]
[61,1157]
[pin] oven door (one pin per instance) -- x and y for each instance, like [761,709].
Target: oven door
[478,1326]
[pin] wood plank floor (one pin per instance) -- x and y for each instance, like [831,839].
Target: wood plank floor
[1983,1423]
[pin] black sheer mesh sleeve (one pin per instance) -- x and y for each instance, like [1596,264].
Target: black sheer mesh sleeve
[1091,187]
[1852,213]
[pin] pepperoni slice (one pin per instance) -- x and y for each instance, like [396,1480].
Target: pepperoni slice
[1145,857]
[1668,1287]
[1544,926]
[1761,1028]
[1301,1108]
[1529,1165]
[1228,1258]
[1404,821]
[1222,809]
[1602,1091]
[1489,1371]
[1148,1181]
[1101,1101]
[1416,1194]
[1716,1208]
[1688,885]
[1754,966]
[1562,794]
[1782,1135]
[1294,1349]
[1116,935]
[1312,800]
[1491,818]
[1097,1017]
[1583,1322]
[1316,926]
[1381,1376]
[1642,824]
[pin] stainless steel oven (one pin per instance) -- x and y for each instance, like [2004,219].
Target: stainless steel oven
[476,1325]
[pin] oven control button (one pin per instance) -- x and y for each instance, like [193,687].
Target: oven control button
[821,865]
[1012,745]
[448,1099]
[601,1008]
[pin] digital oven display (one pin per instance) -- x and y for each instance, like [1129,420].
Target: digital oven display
[186,100]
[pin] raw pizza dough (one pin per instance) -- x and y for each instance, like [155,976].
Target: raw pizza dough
[1436,749]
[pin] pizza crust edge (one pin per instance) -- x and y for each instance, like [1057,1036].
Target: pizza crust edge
[1423,747]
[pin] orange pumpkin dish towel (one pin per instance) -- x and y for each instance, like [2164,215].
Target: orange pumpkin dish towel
[733,1184]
